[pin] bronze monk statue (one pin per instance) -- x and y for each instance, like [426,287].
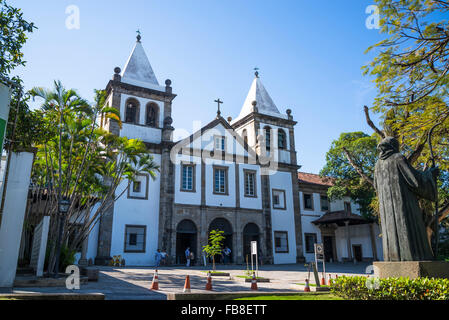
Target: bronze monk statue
[398,187]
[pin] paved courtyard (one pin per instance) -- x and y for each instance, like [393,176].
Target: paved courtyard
[134,282]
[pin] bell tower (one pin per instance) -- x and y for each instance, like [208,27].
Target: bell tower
[145,106]
[271,135]
[146,113]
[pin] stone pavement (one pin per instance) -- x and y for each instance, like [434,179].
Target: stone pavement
[133,283]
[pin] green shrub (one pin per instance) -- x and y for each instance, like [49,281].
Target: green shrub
[67,258]
[362,288]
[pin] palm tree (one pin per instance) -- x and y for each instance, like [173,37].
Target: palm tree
[82,163]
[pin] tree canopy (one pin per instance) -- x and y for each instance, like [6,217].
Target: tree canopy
[411,74]
[13,35]
[350,163]
[79,160]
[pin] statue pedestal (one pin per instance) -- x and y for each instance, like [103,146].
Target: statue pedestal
[412,269]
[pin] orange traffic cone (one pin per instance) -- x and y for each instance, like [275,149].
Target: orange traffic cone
[209,282]
[307,287]
[187,284]
[155,283]
[323,281]
[254,282]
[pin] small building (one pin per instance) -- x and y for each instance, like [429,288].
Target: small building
[338,225]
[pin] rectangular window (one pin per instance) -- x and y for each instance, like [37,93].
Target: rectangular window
[187,177]
[139,188]
[220,143]
[308,201]
[279,199]
[281,241]
[324,203]
[220,180]
[250,183]
[311,239]
[135,238]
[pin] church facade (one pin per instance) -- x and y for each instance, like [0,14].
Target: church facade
[239,176]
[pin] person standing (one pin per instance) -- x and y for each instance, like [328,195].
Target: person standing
[260,256]
[164,258]
[192,258]
[227,255]
[187,253]
[158,258]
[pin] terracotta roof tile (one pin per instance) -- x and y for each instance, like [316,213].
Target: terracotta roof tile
[314,179]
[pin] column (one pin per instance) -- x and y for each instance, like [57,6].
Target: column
[348,239]
[83,260]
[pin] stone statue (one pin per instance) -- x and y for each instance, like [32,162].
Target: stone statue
[398,187]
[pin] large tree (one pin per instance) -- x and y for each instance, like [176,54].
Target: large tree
[77,160]
[350,163]
[13,35]
[411,72]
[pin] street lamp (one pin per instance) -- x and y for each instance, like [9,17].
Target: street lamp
[63,208]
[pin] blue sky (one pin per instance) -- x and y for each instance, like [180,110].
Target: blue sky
[310,55]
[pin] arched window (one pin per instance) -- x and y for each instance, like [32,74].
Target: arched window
[152,115]
[282,139]
[132,111]
[245,136]
[267,138]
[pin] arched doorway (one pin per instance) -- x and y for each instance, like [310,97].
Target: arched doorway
[250,233]
[223,225]
[186,236]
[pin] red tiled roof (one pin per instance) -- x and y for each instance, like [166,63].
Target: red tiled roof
[314,179]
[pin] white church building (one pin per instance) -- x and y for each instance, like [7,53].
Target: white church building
[239,176]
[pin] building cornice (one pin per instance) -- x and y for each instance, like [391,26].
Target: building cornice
[125,88]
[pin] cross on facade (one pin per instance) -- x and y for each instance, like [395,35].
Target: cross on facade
[219,102]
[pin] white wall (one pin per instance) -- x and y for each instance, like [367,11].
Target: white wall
[206,141]
[359,234]
[283,220]
[249,202]
[137,212]
[13,215]
[93,238]
[145,134]
[219,200]
[193,198]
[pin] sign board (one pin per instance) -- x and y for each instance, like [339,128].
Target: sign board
[319,251]
[5,95]
[319,256]
[40,246]
[253,247]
